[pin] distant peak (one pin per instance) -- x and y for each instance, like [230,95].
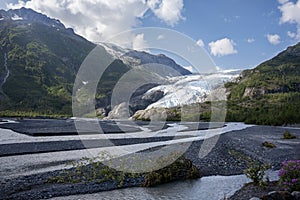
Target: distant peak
[29,15]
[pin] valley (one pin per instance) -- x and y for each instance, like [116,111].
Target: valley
[38,158]
[70,130]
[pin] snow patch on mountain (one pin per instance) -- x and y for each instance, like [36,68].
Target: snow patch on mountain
[159,64]
[118,52]
[16,17]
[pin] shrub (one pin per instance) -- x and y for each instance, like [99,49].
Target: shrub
[289,175]
[182,168]
[256,172]
[287,136]
[103,168]
[98,169]
[269,145]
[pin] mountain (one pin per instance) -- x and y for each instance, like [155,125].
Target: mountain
[150,62]
[39,60]
[41,57]
[146,58]
[269,93]
[25,15]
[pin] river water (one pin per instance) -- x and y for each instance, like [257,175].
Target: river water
[206,188]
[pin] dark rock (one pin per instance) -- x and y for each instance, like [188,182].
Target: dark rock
[140,100]
[278,195]
[296,195]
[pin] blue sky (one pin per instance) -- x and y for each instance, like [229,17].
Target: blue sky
[236,33]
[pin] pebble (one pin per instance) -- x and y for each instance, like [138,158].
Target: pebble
[255,198]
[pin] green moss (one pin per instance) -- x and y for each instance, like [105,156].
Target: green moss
[268,145]
[182,168]
[287,136]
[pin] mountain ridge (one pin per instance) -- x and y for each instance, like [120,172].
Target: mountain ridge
[39,60]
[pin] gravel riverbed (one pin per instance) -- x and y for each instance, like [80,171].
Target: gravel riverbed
[224,157]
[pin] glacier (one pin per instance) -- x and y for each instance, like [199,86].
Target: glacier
[189,89]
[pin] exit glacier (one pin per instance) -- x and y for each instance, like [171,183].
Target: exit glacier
[189,89]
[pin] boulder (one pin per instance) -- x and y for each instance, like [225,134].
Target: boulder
[255,198]
[296,195]
[120,111]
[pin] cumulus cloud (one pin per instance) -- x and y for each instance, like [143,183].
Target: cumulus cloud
[290,14]
[167,10]
[98,20]
[282,1]
[222,47]
[139,42]
[200,43]
[160,37]
[250,40]
[190,68]
[273,39]
[291,34]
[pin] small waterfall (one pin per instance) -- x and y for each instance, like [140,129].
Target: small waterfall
[6,70]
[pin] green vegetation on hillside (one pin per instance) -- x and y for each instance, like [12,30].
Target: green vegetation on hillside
[43,62]
[268,94]
[270,109]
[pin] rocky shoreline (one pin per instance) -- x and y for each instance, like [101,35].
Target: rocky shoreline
[272,191]
[225,158]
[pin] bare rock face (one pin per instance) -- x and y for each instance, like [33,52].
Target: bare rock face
[253,92]
[157,114]
[141,102]
[120,111]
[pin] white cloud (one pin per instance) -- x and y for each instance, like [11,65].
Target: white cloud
[98,20]
[167,10]
[222,47]
[291,34]
[282,1]
[139,42]
[200,43]
[273,39]
[190,68]
[160,37]
[250,40]
[290,14]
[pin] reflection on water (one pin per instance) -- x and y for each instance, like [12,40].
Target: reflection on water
[211,188]
[206,188]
